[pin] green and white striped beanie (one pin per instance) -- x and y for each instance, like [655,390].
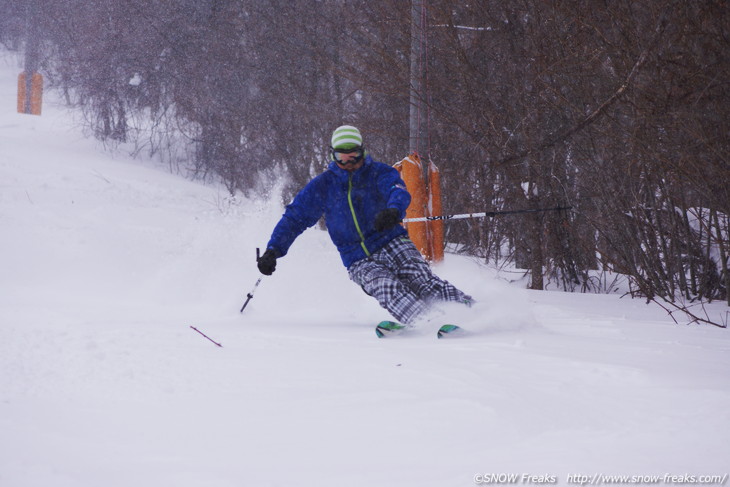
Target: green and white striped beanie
[346,137]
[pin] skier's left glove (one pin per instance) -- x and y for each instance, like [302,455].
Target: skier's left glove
[387,219]
[267,262]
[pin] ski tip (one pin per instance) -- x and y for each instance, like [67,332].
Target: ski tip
[450,331]
[388,328]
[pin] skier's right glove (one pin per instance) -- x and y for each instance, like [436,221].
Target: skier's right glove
[387,219]
[267,262]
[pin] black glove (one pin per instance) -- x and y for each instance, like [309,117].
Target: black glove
[267,262]
[387,219]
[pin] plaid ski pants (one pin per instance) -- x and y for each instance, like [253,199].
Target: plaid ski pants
[402,281]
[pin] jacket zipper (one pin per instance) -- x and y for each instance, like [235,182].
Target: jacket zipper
[354,217]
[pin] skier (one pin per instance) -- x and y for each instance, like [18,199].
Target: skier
[363,202]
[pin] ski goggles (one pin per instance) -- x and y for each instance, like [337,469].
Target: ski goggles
[357,151]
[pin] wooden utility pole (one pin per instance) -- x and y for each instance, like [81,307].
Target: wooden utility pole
[417,122]
[419,173]
[30,82]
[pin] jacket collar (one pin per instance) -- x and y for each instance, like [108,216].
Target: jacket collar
[345,175]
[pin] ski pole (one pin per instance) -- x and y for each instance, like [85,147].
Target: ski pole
[249,296]
[206,336]
[483,214]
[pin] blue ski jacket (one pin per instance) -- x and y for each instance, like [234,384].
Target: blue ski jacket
[349,202]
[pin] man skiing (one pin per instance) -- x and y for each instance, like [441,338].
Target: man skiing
[363,202]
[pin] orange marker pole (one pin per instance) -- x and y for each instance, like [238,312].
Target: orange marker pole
[411,171]
[436,227]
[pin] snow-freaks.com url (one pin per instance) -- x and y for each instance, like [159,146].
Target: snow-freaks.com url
[599,479]
[666,479]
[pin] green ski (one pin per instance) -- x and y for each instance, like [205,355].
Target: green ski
[450,331]
[391,328]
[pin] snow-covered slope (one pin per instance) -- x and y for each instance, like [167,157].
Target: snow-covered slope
[107,263]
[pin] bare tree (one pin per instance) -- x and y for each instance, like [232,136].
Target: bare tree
[618,110]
